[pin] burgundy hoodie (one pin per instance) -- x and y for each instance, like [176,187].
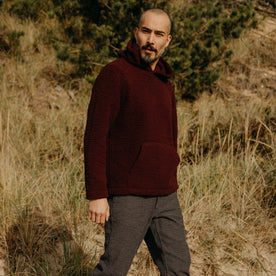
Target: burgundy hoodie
[130,142]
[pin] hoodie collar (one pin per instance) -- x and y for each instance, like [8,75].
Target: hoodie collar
[132,55]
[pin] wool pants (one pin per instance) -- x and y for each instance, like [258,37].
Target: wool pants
[158,220]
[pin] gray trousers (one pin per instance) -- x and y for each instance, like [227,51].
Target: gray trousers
[157,220]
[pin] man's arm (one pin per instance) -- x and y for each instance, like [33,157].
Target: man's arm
[103,109]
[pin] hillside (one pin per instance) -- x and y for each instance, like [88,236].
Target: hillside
[226,176]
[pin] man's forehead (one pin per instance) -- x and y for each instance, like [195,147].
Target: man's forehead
[154,21]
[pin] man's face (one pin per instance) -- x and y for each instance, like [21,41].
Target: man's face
[152,36]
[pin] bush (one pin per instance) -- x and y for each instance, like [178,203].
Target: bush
[203,32]
[25,9]
[97,30]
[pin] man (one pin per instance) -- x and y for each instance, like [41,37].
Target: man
[131,158]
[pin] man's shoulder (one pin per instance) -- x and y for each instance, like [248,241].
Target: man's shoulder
[113,72]
[118,65]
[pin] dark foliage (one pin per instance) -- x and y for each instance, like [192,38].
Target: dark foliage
[96,30]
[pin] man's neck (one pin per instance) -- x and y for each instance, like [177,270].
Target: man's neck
[153,65]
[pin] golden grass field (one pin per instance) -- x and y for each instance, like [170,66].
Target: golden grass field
[226,175]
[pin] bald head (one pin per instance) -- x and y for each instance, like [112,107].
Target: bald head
[153,35]
[160,12]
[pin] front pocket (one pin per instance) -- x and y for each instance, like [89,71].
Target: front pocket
[155,165]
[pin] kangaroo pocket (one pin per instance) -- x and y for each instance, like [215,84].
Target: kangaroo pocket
[155,166]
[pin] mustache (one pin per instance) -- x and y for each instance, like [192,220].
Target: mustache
[149,47]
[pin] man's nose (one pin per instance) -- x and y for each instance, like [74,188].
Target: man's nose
[151,38]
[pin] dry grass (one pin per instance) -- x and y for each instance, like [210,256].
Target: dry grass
[226,176]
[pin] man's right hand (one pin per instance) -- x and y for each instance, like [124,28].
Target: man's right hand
[99,210]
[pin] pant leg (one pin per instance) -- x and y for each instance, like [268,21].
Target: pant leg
[130,217]
[166,238]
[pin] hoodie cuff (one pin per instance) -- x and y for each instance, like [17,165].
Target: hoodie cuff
[96,195]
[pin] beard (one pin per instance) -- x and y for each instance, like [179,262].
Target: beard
[147,59]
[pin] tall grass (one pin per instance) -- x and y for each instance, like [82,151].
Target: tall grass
[228,198]
[41,165]
[42,172]
[226,176]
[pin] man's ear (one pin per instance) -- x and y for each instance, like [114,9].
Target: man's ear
[168,40]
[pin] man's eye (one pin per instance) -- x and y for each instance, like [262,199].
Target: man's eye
[159,34]
[145,31]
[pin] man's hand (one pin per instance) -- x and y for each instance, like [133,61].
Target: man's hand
[99,210]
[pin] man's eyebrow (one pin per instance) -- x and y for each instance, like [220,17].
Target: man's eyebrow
[160,32]
[145,28]
[156,31]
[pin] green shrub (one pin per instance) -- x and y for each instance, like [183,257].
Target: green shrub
[201,33]
[97,30]
[25,9]
[199,47]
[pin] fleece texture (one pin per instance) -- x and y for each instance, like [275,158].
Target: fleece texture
[130,141]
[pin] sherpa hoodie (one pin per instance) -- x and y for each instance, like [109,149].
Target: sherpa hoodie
[130,142]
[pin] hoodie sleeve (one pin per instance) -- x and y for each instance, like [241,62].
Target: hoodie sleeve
[102,111]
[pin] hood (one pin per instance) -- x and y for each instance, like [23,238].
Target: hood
[132,55]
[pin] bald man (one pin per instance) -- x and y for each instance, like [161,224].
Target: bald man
[131,159]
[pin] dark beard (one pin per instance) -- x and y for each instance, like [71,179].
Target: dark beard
[147,60]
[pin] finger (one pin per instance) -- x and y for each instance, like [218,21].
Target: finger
[102,220]
[90,214]
[93,217]
[98,218]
